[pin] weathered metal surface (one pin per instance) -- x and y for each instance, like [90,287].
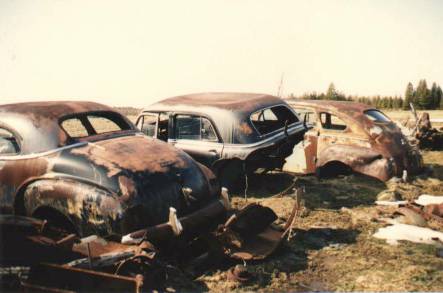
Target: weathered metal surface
[238,140]
[375,148]
[108,183]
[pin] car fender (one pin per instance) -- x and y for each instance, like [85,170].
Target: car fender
[360,159]
[91,209]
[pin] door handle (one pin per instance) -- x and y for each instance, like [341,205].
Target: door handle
[213,151]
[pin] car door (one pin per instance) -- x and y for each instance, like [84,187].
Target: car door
[304,155]
[198,137]
[154,125]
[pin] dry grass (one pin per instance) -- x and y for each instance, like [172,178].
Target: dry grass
[333,248]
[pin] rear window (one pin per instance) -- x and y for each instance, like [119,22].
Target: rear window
[377,116]
[89,124]
[271,119]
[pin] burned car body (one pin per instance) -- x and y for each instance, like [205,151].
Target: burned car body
[232,133]
[88,169]
[351,135]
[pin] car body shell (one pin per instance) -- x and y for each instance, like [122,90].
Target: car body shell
[374,148]
[237,138]
[110,183]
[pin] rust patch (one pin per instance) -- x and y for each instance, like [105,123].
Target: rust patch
[135,153]
[245,128]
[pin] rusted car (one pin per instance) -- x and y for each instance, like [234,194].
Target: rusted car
[231,133]
[348,135]
[87,168]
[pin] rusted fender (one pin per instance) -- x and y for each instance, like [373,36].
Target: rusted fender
[359,159]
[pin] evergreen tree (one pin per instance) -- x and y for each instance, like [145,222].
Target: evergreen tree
[331,94]
[409,96]
[423,95]
[440,97]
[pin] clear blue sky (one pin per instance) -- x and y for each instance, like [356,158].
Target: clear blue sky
[137,52]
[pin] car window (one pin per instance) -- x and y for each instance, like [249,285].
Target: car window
[148,124]
[89,124]
[329,121]
[74,128]
[194,128]
[103,124]
[310,115]
[271,119]
[377,116]
[8,143]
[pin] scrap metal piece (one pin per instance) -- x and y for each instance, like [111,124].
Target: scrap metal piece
[251,235]
[63,278]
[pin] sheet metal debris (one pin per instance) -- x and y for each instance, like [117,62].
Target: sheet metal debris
[81,264]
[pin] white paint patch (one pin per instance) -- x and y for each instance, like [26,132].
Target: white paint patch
[426,199]
[296,163]
[411,233]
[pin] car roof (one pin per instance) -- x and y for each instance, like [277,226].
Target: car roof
[242,102]
[338,106]
[52,110]
[37,123]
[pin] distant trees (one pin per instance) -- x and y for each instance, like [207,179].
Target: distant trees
[422,97]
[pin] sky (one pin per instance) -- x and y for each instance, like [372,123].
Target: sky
[133,53]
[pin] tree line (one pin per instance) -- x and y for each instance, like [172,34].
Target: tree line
[421,97]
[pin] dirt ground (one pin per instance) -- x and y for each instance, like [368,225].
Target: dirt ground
[333,248]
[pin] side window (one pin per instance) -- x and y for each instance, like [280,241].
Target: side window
[329,121]
[74,128]
[194,128]
[271,119]
[148,124]
[103,124]
[8,143]
[311,118]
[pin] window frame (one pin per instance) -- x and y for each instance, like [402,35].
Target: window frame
[332,129]
[141,119]
[103,114]
[276,130]
[216,140]
[310,111]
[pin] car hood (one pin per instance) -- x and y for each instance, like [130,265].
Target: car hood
[148,175]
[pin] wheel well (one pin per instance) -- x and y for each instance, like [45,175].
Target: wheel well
[55,218]
[334,168]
